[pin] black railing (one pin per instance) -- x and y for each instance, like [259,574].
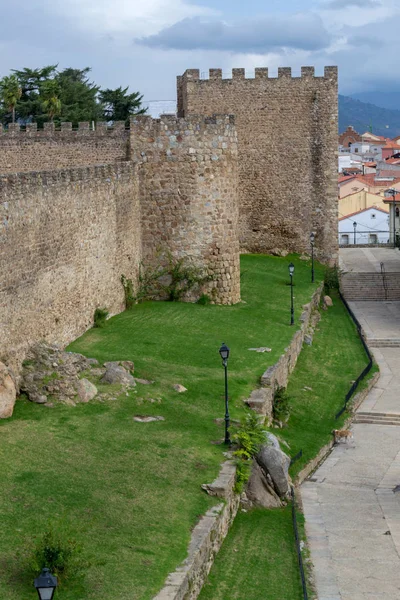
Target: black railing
[385,285]
[298,548]
[296,458]
[365,371]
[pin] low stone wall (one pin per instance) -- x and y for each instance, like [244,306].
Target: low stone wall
[276,376]
[186,582]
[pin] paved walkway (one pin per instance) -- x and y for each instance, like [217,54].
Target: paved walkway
[351,503]
[367,260]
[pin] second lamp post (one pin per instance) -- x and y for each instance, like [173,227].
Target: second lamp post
[291,271]
[224,352]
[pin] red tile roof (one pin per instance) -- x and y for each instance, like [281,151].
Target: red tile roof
[343,178]
[390,199]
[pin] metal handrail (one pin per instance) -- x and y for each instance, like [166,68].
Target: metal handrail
[385,286]
[298,548]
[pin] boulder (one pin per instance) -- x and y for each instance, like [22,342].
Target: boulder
[86,390]
[179,388]
[259,491]
[8,392]
[328,301]
[147,419]
[143,381]
[117,374]
[275,463]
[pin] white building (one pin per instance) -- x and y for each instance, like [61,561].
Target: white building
[367,226]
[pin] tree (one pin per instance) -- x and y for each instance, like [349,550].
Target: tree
[30,106]
[78,96]
[49,92]
[10,93]
[118,105]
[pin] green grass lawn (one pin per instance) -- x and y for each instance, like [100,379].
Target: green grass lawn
[328,367]
[257,561]
[258,558]
[130,492]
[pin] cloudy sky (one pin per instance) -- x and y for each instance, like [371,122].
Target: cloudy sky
[146,43]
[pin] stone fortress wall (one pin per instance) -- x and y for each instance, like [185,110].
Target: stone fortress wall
[287,138]
[189,194]
[198,186]
[33,149]
[67,235]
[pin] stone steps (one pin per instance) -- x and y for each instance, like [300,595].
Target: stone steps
[383,343]
[371,286]
[377,418]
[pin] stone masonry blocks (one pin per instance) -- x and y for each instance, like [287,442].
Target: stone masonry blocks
[189,194]
[287,144]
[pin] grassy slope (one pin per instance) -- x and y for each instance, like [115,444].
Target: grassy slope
[329,366]
[259,555]
[131,491]
[257,560]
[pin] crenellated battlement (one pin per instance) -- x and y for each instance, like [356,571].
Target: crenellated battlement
[330,73]
[49,130]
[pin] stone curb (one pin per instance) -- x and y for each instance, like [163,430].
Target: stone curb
[186,582]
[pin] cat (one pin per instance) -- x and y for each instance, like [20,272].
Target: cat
[342,436]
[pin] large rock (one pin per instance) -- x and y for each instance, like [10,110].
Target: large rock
[276,463]
[86,390]
[259,491]
[8,392]
[117,374]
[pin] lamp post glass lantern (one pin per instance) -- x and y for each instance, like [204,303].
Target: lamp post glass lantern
[224,353]
[355,227]
[46,585]
[312,240]
[291,271]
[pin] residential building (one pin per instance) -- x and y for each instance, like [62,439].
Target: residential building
[367,226]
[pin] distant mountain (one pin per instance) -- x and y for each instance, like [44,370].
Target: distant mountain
[362,115]
[390,100]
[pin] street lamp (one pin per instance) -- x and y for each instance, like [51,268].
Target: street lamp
[46,585]
[355,227]
[224,353]
[312,240]
[291,271]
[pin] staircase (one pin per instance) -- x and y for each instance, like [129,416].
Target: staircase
[384,342]
[377,418]
[371,286]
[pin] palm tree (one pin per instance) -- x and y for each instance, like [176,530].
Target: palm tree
[50,91]
[10,93]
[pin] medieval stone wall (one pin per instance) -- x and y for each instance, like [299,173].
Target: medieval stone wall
[31,149]
[287,140]
[189,195]
[65,239]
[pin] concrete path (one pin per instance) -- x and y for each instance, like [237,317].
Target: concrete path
[367,260]
[351,503]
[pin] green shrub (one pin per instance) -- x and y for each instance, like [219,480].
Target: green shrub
[100,317]
[332,278]
[204,300]
[128,292]
[249,438]
[281,405]
[58,553]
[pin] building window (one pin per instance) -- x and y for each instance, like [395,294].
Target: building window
[397,211]
[344,239]
[373,216]
[373,238]
[355,149]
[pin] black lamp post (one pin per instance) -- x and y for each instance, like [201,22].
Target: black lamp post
[312,240]
[224,352]
[291,271]
[355,227]
[46,585]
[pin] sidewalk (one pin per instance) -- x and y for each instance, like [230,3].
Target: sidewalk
[351,503]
